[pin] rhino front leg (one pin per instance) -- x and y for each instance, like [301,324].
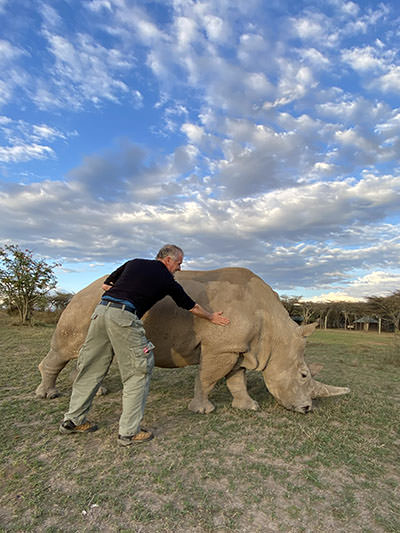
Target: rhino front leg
[237,384]
[201,403]
[49,368]
[213,367]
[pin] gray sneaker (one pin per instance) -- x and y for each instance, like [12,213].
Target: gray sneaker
[143,435]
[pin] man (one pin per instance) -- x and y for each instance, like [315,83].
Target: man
[116,328]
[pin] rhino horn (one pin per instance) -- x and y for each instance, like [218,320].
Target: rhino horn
[320,390]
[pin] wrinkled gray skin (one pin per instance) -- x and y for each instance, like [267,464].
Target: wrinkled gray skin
[261,336]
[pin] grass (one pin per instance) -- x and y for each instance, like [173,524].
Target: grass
[271,470]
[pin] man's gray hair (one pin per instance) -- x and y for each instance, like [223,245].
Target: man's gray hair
[170,250]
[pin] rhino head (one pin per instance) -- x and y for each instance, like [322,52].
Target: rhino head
[288,377]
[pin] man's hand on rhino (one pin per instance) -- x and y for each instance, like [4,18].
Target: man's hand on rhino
[218,319]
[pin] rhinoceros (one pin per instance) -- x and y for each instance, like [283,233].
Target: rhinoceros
[261,336]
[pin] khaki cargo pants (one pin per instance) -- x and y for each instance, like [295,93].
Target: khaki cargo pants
[120,332]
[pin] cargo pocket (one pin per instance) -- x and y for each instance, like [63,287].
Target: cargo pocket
[143,358]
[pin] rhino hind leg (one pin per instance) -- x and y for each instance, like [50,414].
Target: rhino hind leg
[237,384]
[213,367]
[49,368]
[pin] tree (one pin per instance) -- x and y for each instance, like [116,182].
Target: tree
[291,304]
[24,280]
[59,300]
[307,311]
[387,307]
[321,313]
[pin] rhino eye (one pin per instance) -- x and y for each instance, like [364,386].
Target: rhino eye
[304,374]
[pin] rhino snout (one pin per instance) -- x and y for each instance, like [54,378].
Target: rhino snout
[304,409]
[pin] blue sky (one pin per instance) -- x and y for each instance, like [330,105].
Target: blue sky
[251,133]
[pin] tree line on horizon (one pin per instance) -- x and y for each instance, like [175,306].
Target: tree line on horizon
[376,312]
[27,287]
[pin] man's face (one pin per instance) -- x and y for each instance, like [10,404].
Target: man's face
[172,264]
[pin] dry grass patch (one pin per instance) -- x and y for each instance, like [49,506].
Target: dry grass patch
[272,470]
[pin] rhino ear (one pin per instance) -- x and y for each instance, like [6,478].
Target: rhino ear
[315,368]
[307,330]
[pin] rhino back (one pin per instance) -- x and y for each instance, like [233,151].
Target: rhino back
[250,304]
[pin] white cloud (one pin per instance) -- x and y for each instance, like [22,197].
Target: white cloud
[295,81]
[194,133]
[378,283]
[8,52]
[309,28]
[377,66]
[257,158]
[43,131]
[11,76]
[137,99]
[23,141]
[75,69]
[186,32]
[322,168]
[350,8]
[98,5]
[333,296]
[24,152]
[254,52]
[51,18]
[313,210]
[317,59]
[390,82]
[316,28]
[120,195]
[148,31]
[355,111]
[364,59]
[84,71]
[5,92]
[214,27]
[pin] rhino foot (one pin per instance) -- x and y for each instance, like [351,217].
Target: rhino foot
[49,394]
[248,404]
[201,407]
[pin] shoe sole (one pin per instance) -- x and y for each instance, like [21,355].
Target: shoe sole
[132,442]
[65,431]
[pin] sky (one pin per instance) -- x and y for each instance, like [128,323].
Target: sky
[256,133]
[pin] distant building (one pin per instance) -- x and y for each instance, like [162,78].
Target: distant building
[365,322]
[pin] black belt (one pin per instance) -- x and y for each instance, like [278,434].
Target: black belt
[119,305]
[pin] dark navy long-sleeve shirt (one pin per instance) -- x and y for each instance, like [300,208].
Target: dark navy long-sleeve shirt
[143,282]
